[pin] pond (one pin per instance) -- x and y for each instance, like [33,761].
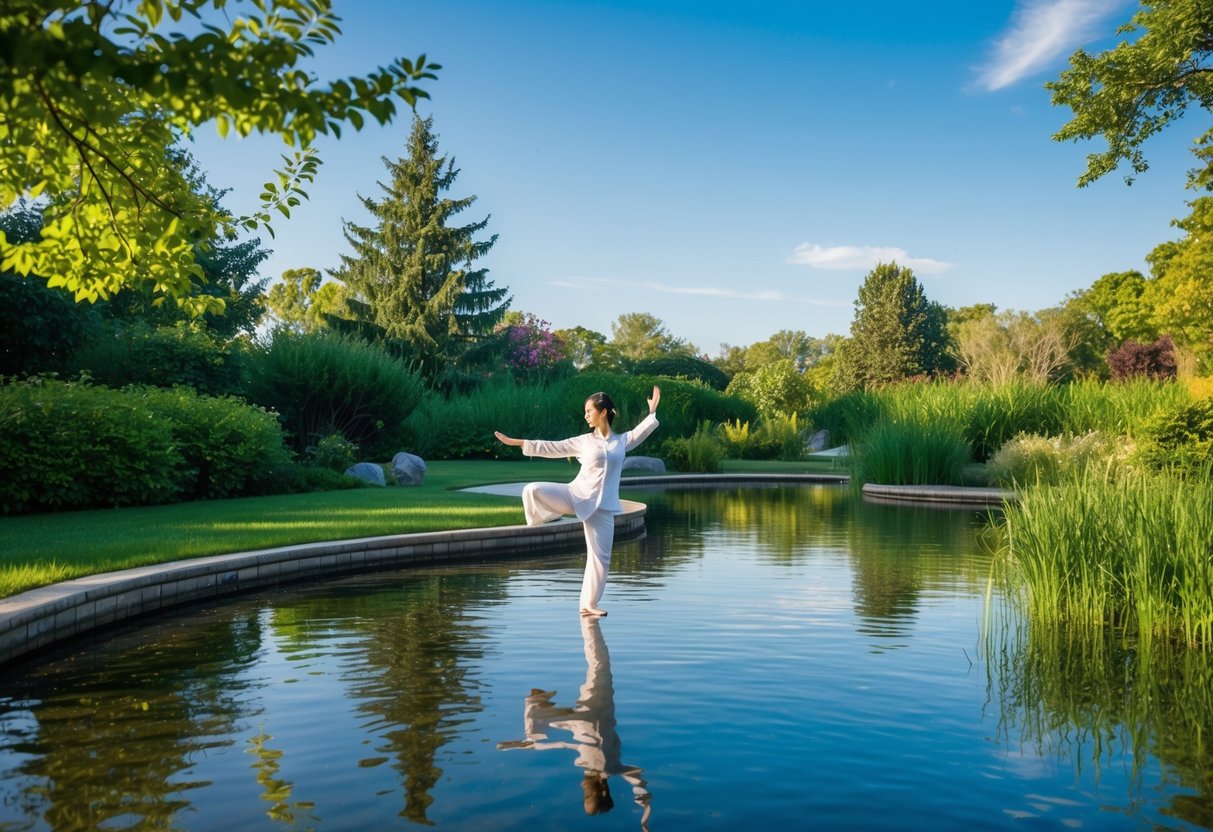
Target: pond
[774,658]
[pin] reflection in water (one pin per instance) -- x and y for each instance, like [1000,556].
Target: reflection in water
[1096,701]
[591,724]
[113,744]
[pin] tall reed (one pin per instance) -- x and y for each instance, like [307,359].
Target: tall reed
[1133,553]
[913,451]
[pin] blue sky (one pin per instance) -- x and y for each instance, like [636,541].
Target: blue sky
[736,169]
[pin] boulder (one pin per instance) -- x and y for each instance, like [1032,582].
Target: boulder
[368,472]
[408,469]
[818,441]
[651,464]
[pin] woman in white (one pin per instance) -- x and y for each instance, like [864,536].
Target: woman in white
[593,496]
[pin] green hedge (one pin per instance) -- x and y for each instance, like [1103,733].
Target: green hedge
[69,445]
[230,448]
[184,355]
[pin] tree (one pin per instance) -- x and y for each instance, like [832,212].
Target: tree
[1003,347]
[1121,302]
[639,336]
[1131,92]
[896,332]
[94,94]
[778,389]
[411,272]
[305,301]
[1182,292]
[587,348]
[40,326]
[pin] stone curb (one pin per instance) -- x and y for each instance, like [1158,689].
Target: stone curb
[41,617]
[956,494]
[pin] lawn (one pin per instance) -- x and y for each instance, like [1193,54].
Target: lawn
[36,550]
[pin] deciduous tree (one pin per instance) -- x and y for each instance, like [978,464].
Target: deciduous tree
[639,336]
[1147,81]
[94,94]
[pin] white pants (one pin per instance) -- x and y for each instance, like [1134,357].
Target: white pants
[544,501]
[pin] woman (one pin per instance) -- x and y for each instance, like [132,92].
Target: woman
[593,496]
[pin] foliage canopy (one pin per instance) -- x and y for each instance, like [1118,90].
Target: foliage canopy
[94,94]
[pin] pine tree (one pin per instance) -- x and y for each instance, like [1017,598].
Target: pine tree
[411,274]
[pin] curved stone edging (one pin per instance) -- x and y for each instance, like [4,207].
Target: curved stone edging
[38,618]
[956,494]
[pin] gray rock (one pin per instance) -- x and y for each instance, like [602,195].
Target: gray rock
[818,441]
[368,472]
[644,463]
[408,469]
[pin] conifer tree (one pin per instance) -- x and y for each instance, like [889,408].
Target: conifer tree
[896,332]
[411,276]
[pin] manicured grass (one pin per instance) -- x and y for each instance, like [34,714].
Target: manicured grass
[36,550]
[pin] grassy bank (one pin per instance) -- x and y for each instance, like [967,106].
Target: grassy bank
[36,550]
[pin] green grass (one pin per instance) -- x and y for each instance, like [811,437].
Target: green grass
[1132,554]
[36,550]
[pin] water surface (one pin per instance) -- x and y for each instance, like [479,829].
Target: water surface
[774,658]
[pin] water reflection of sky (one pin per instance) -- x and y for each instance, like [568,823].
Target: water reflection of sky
[782,658]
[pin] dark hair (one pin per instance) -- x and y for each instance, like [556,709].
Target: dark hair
[602,401]
[596,794]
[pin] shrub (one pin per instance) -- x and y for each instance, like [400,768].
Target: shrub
[1132,359]
[230,448]
[778,437]
[1180,438]
[1032,459]
[776,389]
[185,355]
[334,453]
[69,445]
[700,452]
[322,384]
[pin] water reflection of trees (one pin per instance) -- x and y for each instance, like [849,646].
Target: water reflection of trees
[1080,696]
[104,745]
[897,552]
[417,678]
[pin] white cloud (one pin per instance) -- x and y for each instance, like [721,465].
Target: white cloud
[769,296]
[1040,32]
[862,257]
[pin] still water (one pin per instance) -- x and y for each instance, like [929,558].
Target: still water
[774,658]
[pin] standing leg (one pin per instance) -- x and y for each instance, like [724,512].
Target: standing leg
[599,536]
[544,501]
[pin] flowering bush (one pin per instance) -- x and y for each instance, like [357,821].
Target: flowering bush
[532,350]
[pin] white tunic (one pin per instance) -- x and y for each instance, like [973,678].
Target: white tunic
[597,484]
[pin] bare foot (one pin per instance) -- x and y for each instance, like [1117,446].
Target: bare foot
[596,613]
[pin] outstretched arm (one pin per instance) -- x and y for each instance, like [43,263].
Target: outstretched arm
[654,399]
[506,440]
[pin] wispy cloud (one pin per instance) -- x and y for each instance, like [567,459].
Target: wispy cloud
[1039,33]
[769,296]
[862,257]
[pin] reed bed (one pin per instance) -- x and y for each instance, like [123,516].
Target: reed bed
[913,451]
[1132,553]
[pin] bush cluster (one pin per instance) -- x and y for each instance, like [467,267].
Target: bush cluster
[321,384]
[700,452]
[777,437]
[69,445]
[1031,459]
[1180,438]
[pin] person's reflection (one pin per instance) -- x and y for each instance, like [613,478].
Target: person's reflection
[592,723]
